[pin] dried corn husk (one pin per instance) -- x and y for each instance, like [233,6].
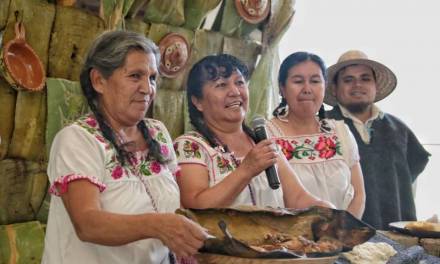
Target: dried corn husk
[21,243]
[8,98]
[135,8]
[263,88]
[4,7]
[65,103]
[279,20]
[156,33]
[23,186]
[37,17]
[196,10]
[113,12]
[168,107]
[168,12]
[137,25]
[232,24]
[29,126]
[74,30]
[246,50]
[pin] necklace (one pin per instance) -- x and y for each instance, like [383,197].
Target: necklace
[236,164]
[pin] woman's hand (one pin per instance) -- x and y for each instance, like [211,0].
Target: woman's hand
[181,235]
[260,157]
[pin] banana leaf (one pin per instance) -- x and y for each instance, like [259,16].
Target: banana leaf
[242,231]
[29,127]
[113,12]
[156,33]
[37,18]
[196,11]
[43,211]
[4,8]
[21,243]
[168,107]
[8,97]
[167,12]
[65,103]
[246,50]
[73,32]
[137,25]
[23,186]
[231,23]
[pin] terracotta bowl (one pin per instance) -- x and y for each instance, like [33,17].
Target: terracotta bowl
[253,11]
[22,66]
[174,52]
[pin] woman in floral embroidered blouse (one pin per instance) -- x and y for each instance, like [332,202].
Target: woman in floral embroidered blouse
[322,152]
[220,163]
[112,171]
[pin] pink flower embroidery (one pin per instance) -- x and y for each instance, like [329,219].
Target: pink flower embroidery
[117,172]
[155,167]
[326,147]
[194,146]
[100,138]
[164,150]
[91,122]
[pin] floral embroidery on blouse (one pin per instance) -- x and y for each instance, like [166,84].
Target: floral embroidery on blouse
[191,149]
[325,147]
[138,163]
[224,165]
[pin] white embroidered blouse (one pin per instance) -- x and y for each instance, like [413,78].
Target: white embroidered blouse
[193,148]
[322,161]
[79,151]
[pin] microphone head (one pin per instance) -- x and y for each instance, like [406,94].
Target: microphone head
[258,121]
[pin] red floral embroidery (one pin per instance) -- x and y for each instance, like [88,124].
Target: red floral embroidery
[326,147]
[117,172]
[155,167]
[91,122]
[286,148]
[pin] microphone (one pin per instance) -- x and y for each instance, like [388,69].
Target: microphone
[259,126]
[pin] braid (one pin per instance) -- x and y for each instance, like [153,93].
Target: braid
[152,144]
[200,126]
[281,108]
[324,125]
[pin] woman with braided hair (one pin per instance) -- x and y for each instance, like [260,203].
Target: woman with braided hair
[323,152]
[112,172]
[221,165]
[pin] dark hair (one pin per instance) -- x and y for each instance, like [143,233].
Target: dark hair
[108,53]
[291,61]
[211,68]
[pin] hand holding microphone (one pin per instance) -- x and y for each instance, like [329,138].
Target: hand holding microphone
[259,126]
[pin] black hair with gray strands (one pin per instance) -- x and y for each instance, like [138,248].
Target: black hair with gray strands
[291,61]
[211,68]
[108,53]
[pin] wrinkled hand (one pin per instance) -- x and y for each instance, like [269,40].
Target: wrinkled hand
[263,155]
[181,235]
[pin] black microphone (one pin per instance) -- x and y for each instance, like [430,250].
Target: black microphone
[259,126]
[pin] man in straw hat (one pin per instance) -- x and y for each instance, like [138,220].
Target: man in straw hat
[391,156]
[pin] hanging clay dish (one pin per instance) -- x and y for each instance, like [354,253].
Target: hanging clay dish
[253,11]
[22,67]
[174,54]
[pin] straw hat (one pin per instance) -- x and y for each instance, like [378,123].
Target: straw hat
[253,11]
[174,53]
[386,80]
